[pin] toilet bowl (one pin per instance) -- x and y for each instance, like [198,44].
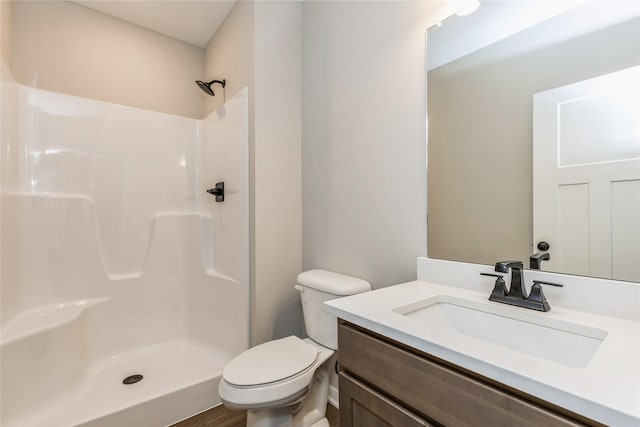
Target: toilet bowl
[277,373]
[285,382]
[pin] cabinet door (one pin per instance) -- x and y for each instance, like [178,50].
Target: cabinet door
[446,396]
[361,406]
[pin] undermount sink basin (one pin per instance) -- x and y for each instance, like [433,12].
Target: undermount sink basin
[535,334]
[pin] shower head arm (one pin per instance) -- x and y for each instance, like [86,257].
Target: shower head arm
[222,82]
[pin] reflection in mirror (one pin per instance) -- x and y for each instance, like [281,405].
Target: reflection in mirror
[481,136]
[586,175]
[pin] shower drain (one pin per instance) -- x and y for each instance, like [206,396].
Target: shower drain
[132,379]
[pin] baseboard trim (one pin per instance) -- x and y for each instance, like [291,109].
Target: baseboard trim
[333,397]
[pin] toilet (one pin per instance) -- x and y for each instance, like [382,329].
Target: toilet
[285,382]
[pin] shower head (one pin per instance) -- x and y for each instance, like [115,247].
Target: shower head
[206,86]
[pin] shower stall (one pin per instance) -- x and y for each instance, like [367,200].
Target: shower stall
[125,286]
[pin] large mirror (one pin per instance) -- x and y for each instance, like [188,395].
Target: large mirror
[503,86]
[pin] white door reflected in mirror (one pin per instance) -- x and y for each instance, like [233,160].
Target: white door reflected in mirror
[586,175]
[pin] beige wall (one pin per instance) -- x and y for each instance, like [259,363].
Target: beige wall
[229,55]
[6,32]
[64,47]
[364,152]
[258,46]
[480,139]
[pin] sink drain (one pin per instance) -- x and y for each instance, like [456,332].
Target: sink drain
[132,379]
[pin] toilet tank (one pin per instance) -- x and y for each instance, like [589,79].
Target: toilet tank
[318,286]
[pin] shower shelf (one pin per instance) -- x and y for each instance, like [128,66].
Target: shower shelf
[43,318]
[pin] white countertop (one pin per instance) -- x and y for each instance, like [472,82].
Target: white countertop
[607,389]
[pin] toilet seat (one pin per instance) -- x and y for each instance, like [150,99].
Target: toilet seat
[270,362]
[277,393]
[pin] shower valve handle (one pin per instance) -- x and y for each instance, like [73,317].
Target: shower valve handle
[217,191]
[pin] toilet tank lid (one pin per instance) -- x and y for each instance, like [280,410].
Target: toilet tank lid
[333,283]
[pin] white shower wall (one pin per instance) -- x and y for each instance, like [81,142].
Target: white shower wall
[132,163]
[111,246]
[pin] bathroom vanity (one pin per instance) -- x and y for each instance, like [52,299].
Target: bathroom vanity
[386,383]
[436,351]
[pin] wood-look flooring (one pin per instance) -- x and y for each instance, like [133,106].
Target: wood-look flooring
[223,417]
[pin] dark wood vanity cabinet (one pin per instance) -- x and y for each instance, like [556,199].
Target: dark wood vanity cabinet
[365,407]
[384,383]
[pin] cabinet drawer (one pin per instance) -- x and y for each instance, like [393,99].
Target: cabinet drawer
[436,391]
[361,406]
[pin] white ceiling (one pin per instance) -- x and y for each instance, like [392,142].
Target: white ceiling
[192,21]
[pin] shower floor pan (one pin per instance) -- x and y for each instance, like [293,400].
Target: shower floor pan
[180,378]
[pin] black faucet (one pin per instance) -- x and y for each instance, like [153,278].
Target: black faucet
[536,259]
[517,295]
[516,289]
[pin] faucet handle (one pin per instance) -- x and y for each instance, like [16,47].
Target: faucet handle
[491,275]
[537,296]
[500,287]
[542,282]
